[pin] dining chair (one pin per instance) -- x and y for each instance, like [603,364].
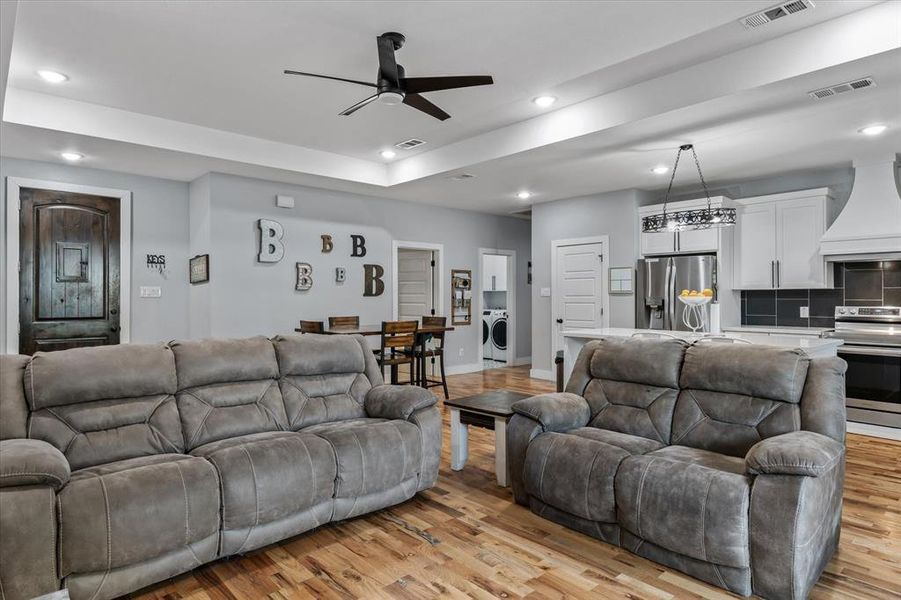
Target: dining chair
[344,321]
[431,345]
[311,327]
[398,346]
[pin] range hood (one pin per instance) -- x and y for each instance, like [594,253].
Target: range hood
[869,227]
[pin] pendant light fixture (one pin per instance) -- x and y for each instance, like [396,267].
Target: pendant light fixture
[683,220]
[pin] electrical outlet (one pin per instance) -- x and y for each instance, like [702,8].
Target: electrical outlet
[461,351]
[805,312]
[151,291]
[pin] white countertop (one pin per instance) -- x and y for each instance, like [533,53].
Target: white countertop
[778,330]
[811,345]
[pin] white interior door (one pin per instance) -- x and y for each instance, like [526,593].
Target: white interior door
[579,292]
[415,281]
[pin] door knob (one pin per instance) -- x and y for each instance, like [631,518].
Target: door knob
[560,321]
[113,311]
[114,329]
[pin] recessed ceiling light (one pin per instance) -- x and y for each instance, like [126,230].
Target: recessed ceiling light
[873,129]
[659,169]
[52,76]
[71,156]
[524,195]
[387,154]
[544,101]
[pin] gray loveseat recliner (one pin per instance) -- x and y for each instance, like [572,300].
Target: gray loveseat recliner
[723,461]
[121,466]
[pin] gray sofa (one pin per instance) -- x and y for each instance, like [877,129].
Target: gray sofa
[722,461]
[121,466]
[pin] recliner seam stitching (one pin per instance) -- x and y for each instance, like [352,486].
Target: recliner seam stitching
[638,499]
[544,467]
[704,518]
[109,542]
[256,499]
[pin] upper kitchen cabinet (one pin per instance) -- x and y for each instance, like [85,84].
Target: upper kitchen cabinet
[777,241]
[681,242]
[494,273]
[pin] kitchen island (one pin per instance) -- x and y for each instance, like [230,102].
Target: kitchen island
[574,339]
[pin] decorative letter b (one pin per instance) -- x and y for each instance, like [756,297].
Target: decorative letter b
[372,280]
[359,246]
[327,244]
[271,247]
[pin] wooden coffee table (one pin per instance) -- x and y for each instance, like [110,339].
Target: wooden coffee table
[490,410]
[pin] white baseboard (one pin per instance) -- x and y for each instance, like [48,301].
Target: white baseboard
[542,374]
[889,433]
[461,369]
[522,360]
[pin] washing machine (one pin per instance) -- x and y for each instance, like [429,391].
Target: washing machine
[487,352]
[496,344]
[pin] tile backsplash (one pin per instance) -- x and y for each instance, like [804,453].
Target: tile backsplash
[856,284]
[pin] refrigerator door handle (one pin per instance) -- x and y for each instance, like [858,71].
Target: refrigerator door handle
[670,295]
[773,273]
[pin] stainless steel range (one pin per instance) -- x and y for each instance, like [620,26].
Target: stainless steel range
[872,348]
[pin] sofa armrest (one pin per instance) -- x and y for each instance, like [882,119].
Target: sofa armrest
[795,453]
[397,401]
[560,411]
[32,462]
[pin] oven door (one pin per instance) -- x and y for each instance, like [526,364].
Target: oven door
[873,384]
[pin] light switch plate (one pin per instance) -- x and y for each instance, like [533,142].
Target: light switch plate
[151,291]
[545,292]
[805,312]
[284,201]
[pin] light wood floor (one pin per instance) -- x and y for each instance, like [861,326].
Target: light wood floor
[466,538]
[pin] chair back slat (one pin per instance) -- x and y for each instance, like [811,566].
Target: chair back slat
[398,334]
[400,341]
[311,327]
[344,321]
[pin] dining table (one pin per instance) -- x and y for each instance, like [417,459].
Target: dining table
[376,329]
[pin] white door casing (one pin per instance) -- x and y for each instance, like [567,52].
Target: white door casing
[579,298]
[510,284]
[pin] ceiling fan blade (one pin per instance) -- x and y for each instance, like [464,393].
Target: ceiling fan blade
[417,85]
[351,110]
[387,63]
[420,103]
[366,83]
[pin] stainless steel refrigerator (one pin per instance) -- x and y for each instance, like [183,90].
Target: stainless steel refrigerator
[661,279]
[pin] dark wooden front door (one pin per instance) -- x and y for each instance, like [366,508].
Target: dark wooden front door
[69,273]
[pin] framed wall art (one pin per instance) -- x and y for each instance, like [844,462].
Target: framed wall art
[199,268]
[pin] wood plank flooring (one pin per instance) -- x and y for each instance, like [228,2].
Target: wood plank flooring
[465,538]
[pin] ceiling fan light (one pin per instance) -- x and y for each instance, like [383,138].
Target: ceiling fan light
[391,98]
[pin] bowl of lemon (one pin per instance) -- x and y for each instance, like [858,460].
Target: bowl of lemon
[696,298]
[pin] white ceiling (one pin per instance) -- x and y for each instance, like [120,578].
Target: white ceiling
[176,89]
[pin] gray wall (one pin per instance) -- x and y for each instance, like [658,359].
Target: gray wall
[159,226]
[217,214]
[613,214]
[246,297]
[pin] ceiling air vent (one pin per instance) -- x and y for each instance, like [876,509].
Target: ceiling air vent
[461,176]
[841,88]
[408,144]
[776,12]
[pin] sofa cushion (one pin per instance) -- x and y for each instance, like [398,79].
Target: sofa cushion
[266,477]
[323,378]
[632,444]
[574,473]
[633,385]
[730,423]
[766,372]
[687,501]
[227,388]
[132,510]
[105,404]
[373,456]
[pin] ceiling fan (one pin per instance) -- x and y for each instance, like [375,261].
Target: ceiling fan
[393,87]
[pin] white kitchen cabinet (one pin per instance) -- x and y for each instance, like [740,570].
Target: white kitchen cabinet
[494,273]
[777,241]
[755,247]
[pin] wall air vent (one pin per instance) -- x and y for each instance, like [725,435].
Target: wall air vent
[408,144]
[841,88]
[461,176]
[776,12]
